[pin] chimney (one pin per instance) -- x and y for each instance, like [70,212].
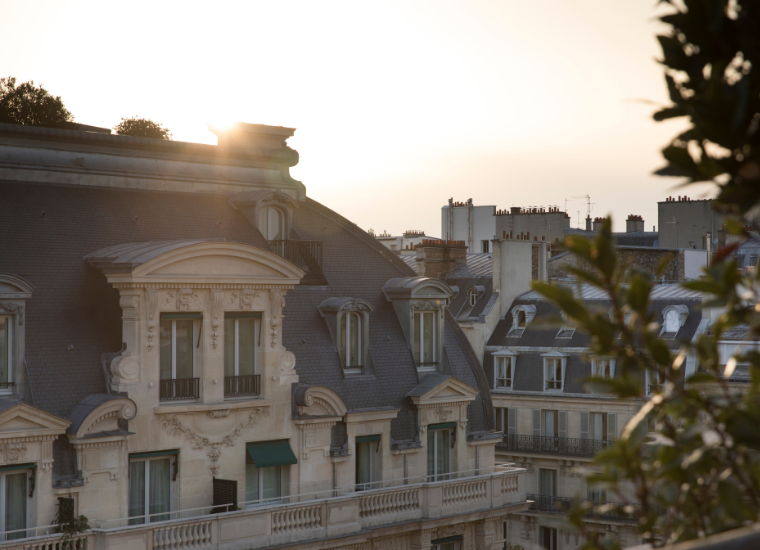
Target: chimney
[598,223]
[588,223]
[634,223]
[515,264]
[437,258]
[242,135]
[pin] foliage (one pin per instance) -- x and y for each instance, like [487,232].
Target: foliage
[71,526]
[142,127]
[698,472]
[31,105]
[712,60]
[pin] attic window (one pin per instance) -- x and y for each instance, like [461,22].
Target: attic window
[555,365]
[348,322]
[521,316]
[351,339]
[674,318]
[567,329]
[472,297]
[271,223]
[425,328]
[504,370]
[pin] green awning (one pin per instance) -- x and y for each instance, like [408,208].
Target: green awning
[242,315]
[455,538]
[181,316]
[173,452]
[363,438]
[30,466]
[444,426]
[271,453]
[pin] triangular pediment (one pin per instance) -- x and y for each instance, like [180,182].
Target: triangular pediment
[437,388]
[25,419]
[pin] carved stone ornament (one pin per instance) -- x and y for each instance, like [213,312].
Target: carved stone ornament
[186,298]
[288,362]
[245,299]
[277,197]
[151,297]
[13,452]
[427,304]
[173,423]
[13,308]
[125,368]
[276,302]
[357,304]
[217,297]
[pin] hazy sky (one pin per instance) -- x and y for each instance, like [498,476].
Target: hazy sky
[398,105]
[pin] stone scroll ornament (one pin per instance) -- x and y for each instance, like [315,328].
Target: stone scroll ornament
[13,308]
[276,302]
[172,424]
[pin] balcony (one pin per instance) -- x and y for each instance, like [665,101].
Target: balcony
[612,511]
[305,254]
[552,445]
[179,389]
[296,518]
[239,386]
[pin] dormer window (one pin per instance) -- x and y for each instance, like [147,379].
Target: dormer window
[14,291]
[271,222]
[554,371]
[351,340]
[603,368]
[424,339]
[504,370]
[6,376]
[348,322]
[520,322]
[674,318]
[521,316]
[567,329]
[472,297]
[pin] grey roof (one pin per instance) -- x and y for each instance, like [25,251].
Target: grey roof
[80,412]
[659,292]
[410,260]
[428,383]
[478,265]
[131,255]
[638,238]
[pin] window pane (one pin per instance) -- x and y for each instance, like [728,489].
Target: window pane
[166,349]
[597,426]
[431,452]
[275,225]
[229,347]
[342,344]
[15,505]
[499,420]
[363,464]
[547,482]
[271,480]
[550,425]
[417,337]
[4,348]
[442,455]
[251,482]
[353,348]
[159,499]
[427,338]
[247,347]
[136,492]
[184,348]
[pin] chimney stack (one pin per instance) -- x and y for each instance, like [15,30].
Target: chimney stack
[437,258]
[588,223]
[634,223]
[598,223]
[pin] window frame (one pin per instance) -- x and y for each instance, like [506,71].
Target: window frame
[472,297]
[426,365]
[146,520]
[510,366]
[263,217]
[3,497]
[435,476]
[345,322]
[595,367]
[261,501]
[559,383]
[370,484]
[10,334]
[197,324]
[236,344]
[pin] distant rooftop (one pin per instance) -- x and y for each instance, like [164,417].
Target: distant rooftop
[659,292]
[478,265]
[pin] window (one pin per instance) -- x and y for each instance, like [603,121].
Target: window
[752,265]
[503,375]
[740,263]
[547,538]
[547,482]
[439,443]
[506,420]
[550,423]
[6,372]
[472,297]
[272,223]
[13,504]
[596,495]
[367,449]
[424,338]
[449,543]
[521,320]
[241,335]
[553,373]
[484,246]
[655,381]
[180,337]
[603,368]
[521,316]
[671,321]
[351,340]
[150,489]
[599,426]
[262,485]
[393,247]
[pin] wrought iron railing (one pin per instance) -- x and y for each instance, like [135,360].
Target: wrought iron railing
[237,386]
[179,388]
[616,511]
[553,445]
[305,254]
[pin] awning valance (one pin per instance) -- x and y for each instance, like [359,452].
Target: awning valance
[271,453]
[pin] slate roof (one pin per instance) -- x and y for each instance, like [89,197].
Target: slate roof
[74,316]
[542,332]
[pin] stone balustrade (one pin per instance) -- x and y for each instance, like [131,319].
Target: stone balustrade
[274,525]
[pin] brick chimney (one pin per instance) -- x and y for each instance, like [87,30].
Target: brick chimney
[634,223]
[598,223]
[437,258]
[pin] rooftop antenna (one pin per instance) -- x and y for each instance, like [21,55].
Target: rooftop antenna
[589,204]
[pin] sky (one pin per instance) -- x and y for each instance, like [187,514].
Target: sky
[398,105]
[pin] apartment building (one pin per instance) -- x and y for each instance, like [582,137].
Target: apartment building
[195,354]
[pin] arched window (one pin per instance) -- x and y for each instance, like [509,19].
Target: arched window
[272,223]
[671,321]
[520,319]
[472,296]
[351,340]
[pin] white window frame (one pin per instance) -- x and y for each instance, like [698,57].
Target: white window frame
[236,346]
[446,475]
[345,318]
[528,312]
[146,516]
[563,368]
[650,384]
[598,362]
[28,472]
[510,360]
[264,213]
[261,501]
[472,297]
[9,389]
[432,365]
[196,327]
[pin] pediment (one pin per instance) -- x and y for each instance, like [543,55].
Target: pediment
[12,286]
[318,401]
[23,419]
[439,388]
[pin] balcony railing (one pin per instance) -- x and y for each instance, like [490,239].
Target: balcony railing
[305,254]
[614,511]
[552,445]
[238,386]
[176,389]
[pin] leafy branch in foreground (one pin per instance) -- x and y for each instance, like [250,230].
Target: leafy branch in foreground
[697,472]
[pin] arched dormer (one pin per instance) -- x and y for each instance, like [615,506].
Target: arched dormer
[348,322]
[673,318]
[522,315]
[14,292]
[271,211]
[318,401]
[419,303]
